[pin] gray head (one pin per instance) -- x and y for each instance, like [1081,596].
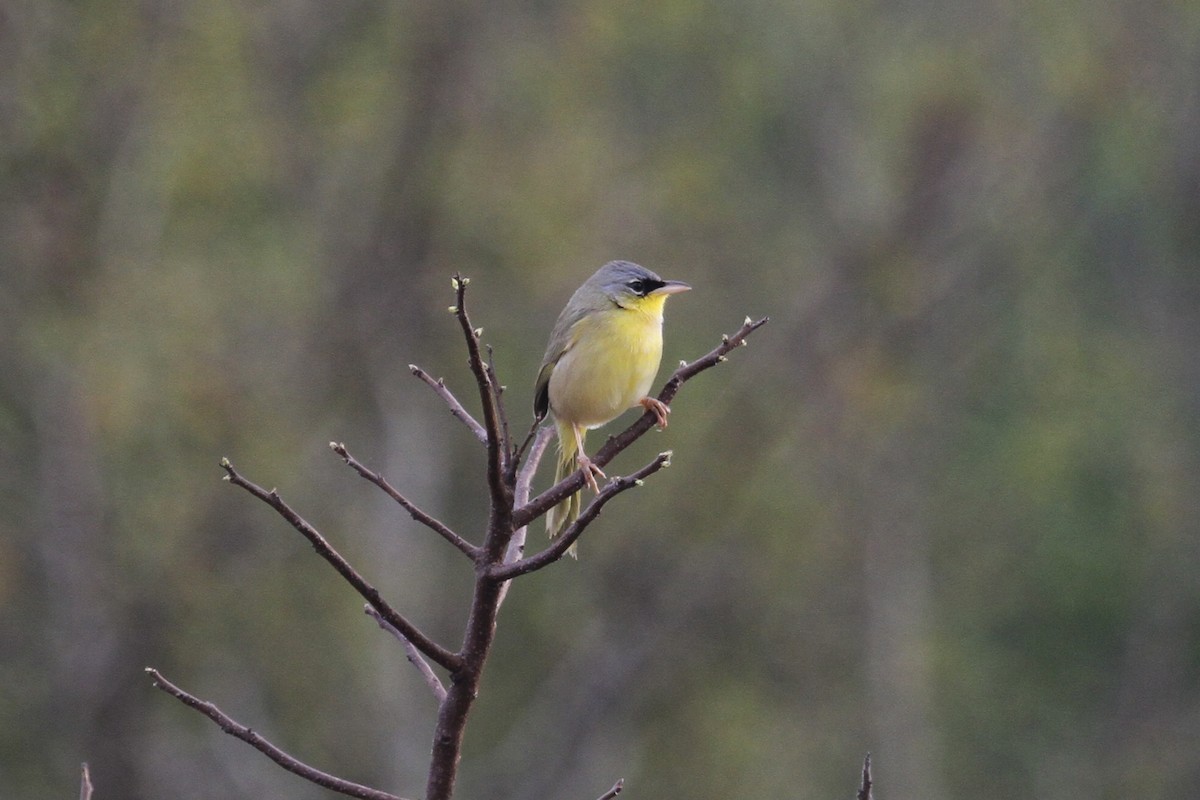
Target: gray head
[624,282]
[619,283]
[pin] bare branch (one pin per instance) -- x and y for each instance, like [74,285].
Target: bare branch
[864,792]
[413,654]
[556,550]
[515,463]
[516,545]
[497,560]
[435,651]
[489,394]
[718,355]
[470,550]
[85,784]
[535,508]
[524,486]
[614,791]
[439,385]
[498,391]
[290,763]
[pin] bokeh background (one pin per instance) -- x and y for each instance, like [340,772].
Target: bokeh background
[942,509]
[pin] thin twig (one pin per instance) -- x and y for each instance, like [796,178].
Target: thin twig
[485,601]
[864,792]
[515,463]
[539,505]
[717,355]
[569,536]
[489,393]
[439,385]
[413,654]
[85,784]
[614,791]
[290,763]
[435,651]
[524,486]
[420,516]
[516,545]
[497,391]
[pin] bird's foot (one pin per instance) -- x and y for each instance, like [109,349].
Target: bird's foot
[658,408]
[590,472]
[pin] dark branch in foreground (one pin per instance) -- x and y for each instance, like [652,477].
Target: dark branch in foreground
[430,648]
[420,516]
[291,764]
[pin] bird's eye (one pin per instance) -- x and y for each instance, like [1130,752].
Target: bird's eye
[637,286]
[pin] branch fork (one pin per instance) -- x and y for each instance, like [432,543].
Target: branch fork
[497,560]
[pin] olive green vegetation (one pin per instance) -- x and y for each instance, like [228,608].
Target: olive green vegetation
[944,508]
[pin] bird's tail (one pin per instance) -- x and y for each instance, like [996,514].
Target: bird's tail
[566,512]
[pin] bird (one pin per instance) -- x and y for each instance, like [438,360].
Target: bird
[602,357]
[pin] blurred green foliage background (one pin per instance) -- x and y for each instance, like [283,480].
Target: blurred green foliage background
[944,508]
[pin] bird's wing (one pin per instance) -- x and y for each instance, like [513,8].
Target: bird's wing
[566,333]
[541,391]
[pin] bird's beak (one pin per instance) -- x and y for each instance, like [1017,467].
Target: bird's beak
[672,287]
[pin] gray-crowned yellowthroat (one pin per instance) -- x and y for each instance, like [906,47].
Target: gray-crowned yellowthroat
[602,357]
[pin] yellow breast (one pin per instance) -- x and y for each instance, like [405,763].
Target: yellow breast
[609,366]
